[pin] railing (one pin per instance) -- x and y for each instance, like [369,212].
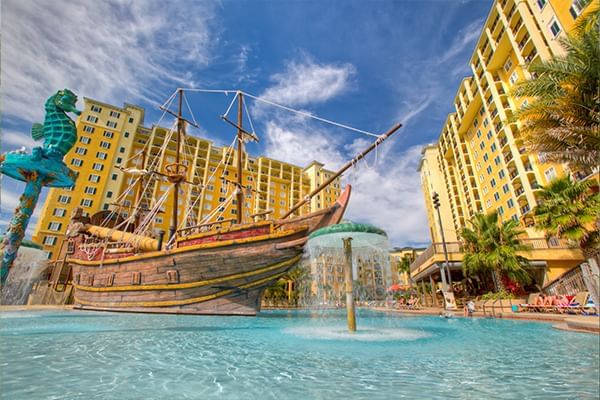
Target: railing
[570,283]
[457,248]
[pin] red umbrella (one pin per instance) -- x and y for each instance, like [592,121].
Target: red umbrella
[396,287]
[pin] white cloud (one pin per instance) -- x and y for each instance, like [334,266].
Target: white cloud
[465,40]
[388,195]
[10,140]
[109,50]
[300,143]
[386,187]
[308,82]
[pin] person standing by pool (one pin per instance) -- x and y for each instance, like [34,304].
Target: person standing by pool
[469,309]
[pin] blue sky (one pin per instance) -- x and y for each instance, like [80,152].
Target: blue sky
[368,64]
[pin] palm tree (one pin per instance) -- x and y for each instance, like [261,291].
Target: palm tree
[570,210]
[562,118]
[492,247]
[404,263]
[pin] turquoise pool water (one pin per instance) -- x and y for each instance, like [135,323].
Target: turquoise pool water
[290,355]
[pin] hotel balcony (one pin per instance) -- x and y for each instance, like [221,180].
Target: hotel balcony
[541,253]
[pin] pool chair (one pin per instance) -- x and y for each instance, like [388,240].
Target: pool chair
[579,305]
[415,305]
[530,305]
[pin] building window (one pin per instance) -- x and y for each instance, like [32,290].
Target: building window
[481,145]
[111,124]
[121,149]
[510,203]
[514,77]
[59,212]
[94,178]
[98,167]
[554,27]
[77,162]
[508,65]
[501,174]
[493,182]
[108,195]
[84,139]
[478,134]
[119,159]
[89,129]
[105,145]
[89,190]
[489,170]
[505,188]
[550,174]
[64,199]
[96,109]
[496,196]
[114,177]
[108,134]
[115,114]
[493,147]
[130,121]
[501,210]
[54,226]
[486,157]
[577,7]
[49,240]
[101,156]
[488,203]
[86,202]
[126,134]
[541,4]
[80,151]
[92,119]
[497,160]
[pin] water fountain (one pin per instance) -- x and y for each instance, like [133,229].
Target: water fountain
[30,267]
[355,246]
[43,167]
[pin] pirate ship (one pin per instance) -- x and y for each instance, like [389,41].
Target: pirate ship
[216,267]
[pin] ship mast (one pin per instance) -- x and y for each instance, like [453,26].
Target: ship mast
[177,177]
[138,191]
[240,151]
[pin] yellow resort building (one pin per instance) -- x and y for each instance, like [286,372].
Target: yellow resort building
[111,139]
[479,164]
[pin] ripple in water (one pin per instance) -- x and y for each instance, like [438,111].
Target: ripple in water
[361,334]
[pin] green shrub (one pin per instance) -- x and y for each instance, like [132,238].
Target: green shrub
[501,295]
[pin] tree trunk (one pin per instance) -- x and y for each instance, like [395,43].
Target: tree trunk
[497,276]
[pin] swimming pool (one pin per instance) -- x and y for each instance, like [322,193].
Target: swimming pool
[290,355]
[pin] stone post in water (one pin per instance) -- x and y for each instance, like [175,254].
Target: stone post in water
[349,289]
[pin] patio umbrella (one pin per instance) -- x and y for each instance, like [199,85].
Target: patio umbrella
[396,287]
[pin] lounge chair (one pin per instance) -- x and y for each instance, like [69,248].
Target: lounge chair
[577,306]
[415,304]
[530,305]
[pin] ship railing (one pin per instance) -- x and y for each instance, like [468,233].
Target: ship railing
[189,230]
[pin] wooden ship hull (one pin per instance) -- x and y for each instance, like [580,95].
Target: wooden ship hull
[222,272]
